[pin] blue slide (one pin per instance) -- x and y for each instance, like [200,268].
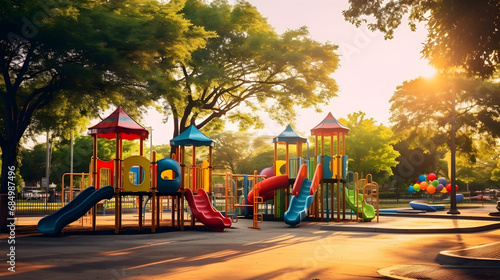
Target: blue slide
[417,205]
[303,198]
[54,223]
[297,211]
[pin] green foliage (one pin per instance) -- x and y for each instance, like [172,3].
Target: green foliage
[90,54]
[421,110]
[461,33]
[485,166]
[368,146]
[248,64]
[33,163]
[259,160]
[414,161]
[162,151]
[240,154]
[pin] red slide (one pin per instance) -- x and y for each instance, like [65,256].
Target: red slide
[268,186]
[202,210]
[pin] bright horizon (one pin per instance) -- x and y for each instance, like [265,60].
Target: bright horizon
[370,67]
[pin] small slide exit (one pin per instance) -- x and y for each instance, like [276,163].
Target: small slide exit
[203,211]
[55,222]
[368,210]
[303,192]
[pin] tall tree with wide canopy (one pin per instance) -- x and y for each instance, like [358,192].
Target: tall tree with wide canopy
[421,109]
[369,147]
[420,112]
[62,60]
[464,34]
[247,63]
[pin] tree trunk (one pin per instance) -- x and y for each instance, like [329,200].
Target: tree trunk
[9,151]
[173,148]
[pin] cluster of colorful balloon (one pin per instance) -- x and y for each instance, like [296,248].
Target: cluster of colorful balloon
[431,184]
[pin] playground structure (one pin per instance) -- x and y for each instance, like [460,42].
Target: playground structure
[298,187]
[321,188]
[138,176]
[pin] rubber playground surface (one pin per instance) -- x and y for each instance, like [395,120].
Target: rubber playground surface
[418,246]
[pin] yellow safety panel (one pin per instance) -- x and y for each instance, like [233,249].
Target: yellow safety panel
[142,162]
[279,164]
[205,171]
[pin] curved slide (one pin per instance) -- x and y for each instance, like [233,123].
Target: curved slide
[303,192]
[55,222]
[202,210]
[268,186]
[368,210]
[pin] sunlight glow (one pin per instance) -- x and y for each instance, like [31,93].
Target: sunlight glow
[429,72]
[155,263]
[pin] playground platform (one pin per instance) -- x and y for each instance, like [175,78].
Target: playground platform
[465,246]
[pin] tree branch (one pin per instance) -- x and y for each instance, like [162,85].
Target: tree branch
[5,69]
[24,68]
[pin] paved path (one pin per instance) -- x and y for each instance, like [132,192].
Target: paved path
[311,251]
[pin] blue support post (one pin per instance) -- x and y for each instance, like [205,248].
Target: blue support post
[327,202]
[245,195]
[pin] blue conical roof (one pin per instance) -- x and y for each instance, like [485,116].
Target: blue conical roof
[289,135]
[191,137]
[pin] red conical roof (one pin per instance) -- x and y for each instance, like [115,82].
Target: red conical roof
[329,126]
[119,122]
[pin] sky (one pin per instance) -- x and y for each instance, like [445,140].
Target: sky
[370,67]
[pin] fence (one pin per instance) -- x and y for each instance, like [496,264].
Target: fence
[45,204]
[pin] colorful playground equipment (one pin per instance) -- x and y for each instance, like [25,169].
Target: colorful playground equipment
[325,174]
[298,188]
[304,191]
[138,176]
[333,190]
[77,207]
[197,197]
[362,198]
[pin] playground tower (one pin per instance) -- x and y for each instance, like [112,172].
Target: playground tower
[334,164]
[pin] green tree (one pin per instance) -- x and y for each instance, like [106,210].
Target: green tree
[480,171]
[62,60]
[421,114]
[239,153]
[247,63]
[418,158]
[369,147]
[461,33]
[162,151]
[421,108]
[33,163]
